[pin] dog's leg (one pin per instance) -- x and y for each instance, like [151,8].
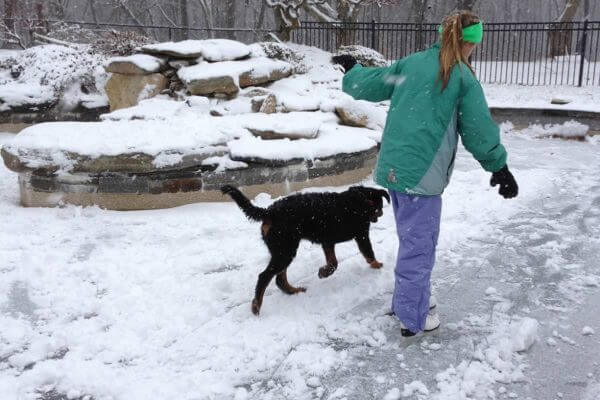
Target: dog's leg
[364,245]
[261,285]
[277,265]
[332,263]
[284,285]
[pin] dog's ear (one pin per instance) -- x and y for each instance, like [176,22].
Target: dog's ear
[384,194]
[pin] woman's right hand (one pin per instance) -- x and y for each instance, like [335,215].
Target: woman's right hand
[508,185]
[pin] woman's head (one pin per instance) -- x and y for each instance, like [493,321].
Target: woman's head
[456,43]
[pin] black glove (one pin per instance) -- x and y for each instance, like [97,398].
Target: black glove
[345,60]
[506,180]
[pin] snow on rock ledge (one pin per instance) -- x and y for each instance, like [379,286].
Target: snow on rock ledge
[211,49]
[332,139]
[295,125]
[228,77]
[119,146]
[139,64]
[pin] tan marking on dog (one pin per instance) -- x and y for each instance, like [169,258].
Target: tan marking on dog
[265,228]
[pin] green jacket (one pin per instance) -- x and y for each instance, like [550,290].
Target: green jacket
[423,123]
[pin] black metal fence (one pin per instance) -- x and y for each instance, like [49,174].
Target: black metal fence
[24,29]
[511,53]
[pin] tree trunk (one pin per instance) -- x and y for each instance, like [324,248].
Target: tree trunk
[285,23]
[466,4]
[10,8]
[559,37]
[230,18]
[260,20]
[206,6]
[184,34]
[419,10]
[347,13]
[586,10]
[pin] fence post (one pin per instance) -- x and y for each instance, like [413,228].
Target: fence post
[373,34]
[583,46]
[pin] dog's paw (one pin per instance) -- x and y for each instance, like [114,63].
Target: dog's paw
[300,289]
[375,264]
[255,307]
[326,271]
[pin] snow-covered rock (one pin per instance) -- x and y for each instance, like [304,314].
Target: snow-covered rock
[127,90]
[332,139]
[140,64]
[362,114]
[228,77]
[294,125]
[211,49]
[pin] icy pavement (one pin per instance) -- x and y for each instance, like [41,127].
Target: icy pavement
[155,304]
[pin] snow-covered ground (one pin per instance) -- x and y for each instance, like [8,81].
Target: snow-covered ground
[156,304]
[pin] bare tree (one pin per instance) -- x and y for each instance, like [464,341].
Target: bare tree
[466,4]
[288,12]
[559,37]
[230,18]
[185,20]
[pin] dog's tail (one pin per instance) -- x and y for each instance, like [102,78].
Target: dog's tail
[251,211]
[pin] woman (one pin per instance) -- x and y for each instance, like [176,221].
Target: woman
[435,97]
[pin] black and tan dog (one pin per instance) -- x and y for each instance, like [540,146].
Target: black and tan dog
[324,218]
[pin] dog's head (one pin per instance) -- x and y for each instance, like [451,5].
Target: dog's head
[374,200]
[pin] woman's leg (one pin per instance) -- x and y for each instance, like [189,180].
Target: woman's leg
[418,226]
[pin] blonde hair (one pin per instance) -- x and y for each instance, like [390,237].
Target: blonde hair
[452,43]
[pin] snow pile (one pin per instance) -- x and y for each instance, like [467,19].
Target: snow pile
[497,359]
[280,51]
[42,74]
[587,331]
[568,130]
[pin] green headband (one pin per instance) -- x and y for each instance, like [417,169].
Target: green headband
[471,34]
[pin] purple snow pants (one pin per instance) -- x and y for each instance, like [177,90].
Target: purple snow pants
[418,225]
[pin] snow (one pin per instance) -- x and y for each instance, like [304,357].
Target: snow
[539,97]
[587,331]
[155,108]
[332,139]
[374,115]
[293,125]
[111,138]
[145,62]
[223,50]
[569,129]
[255,66]
[15,94]
[48,70]
[210,49]
[413,388]
[491,291]
[155,304]
[524,334]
